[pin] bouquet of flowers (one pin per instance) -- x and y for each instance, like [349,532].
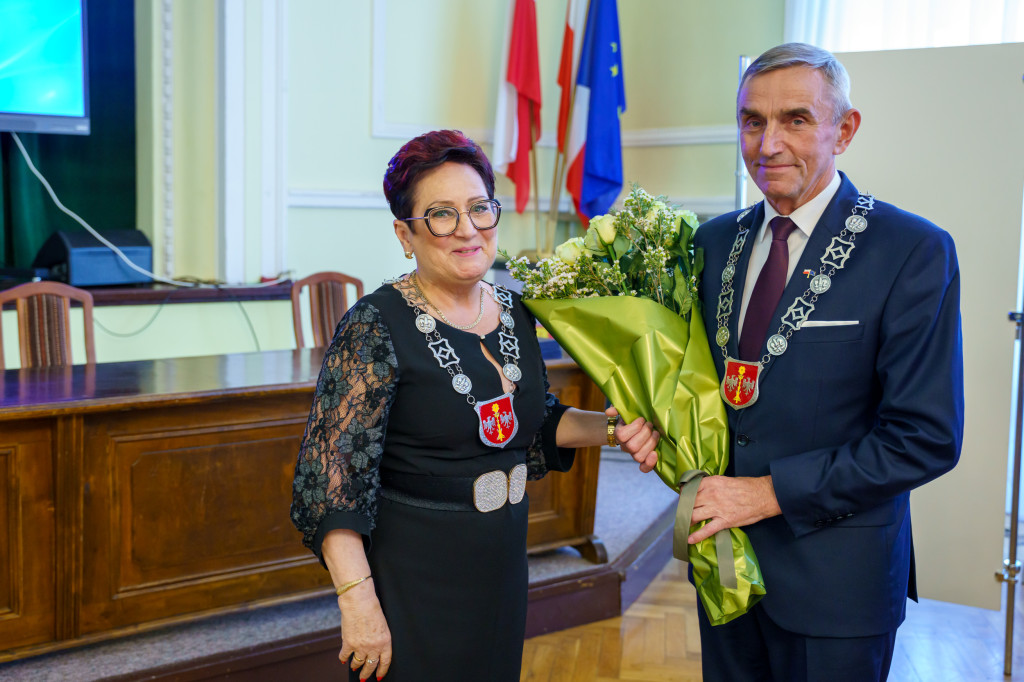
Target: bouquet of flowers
[622,301]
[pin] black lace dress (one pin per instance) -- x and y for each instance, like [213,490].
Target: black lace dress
[452,583]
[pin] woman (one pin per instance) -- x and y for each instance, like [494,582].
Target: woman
[430,413]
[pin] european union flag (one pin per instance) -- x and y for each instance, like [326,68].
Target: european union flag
[601,72]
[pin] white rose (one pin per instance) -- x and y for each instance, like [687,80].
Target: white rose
[592,243]
[570,251]
[605,227]
[690,217]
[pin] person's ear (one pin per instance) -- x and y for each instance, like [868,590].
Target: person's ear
[847,129]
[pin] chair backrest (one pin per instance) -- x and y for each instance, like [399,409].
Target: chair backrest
[43,313]
[328,301]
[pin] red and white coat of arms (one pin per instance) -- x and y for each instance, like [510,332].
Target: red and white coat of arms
[498,423]
[739,387]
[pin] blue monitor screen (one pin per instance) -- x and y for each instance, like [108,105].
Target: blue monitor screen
[43,66]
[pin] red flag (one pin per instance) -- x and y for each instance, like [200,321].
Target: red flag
[575,18]
[518,100]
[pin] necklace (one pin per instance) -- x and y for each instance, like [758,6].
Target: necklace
[497,417]
[463,327]
[740,386]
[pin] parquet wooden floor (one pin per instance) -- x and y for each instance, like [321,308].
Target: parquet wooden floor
[657,640]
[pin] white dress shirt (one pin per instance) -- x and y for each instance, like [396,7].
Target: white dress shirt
[805,217]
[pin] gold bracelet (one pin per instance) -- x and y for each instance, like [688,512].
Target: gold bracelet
[612,423]
[348,586]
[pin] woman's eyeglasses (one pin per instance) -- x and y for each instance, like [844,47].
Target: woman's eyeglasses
[444,220]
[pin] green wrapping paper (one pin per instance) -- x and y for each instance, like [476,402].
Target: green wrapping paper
[652,363]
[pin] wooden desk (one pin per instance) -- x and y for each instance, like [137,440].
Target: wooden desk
[142,493]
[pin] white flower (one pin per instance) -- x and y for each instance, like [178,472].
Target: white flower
[570,251]
[604,226]
[592,243]
[690,217]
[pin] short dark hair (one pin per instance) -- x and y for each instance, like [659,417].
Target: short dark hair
[427,151]
[801,54]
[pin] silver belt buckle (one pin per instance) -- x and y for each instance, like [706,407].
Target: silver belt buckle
[493,489]
[517,484]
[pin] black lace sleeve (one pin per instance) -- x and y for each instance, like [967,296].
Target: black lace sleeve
[337,473]
[543,454]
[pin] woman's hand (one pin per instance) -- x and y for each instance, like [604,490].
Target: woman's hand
[638,438]
[365,637]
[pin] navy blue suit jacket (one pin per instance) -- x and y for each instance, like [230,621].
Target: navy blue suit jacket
[850,418]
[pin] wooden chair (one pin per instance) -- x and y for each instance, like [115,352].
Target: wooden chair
[44,329]
[328,301]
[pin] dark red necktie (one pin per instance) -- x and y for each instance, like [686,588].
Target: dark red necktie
[767,291]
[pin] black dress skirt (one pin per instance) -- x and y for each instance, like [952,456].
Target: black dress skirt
[392,450]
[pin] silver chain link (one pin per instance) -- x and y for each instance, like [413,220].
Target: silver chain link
[833,260]
[440,347]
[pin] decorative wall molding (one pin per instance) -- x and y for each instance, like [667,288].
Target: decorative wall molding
[231,138]
[686,135]
[274,124]
[381,127]
[313,198]
[343,199]
[166,172]
[236,171]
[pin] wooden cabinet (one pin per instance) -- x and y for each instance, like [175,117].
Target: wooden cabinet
[28,606]
[562,505]
[187,510]
[137,494]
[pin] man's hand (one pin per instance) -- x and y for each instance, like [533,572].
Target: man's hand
[732,502]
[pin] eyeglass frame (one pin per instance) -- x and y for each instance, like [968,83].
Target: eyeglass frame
[458,217]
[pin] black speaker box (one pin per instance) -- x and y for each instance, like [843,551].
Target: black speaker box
[81,260]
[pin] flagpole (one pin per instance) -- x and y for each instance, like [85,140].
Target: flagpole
[556,196]
[536,178]
[562,157]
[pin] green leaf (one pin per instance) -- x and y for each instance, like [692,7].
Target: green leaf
[681,297]
[686,307]
[685,234]
[619,247]
[668,284]
[678,252]
[632,263]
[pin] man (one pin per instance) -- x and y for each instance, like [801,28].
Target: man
[837,334]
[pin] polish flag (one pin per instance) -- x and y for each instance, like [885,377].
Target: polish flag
[572,40]
[518,93]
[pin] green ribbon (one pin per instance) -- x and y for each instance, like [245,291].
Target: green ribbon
[688,486]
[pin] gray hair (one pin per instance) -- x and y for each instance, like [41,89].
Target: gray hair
[802,54]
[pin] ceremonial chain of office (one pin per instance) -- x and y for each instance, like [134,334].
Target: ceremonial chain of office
[834,260]
[449,360]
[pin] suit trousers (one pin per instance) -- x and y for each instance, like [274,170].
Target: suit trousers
[752,648]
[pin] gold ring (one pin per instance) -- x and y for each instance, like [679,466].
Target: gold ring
[356,659]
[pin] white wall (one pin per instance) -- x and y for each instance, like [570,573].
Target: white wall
[407,66]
